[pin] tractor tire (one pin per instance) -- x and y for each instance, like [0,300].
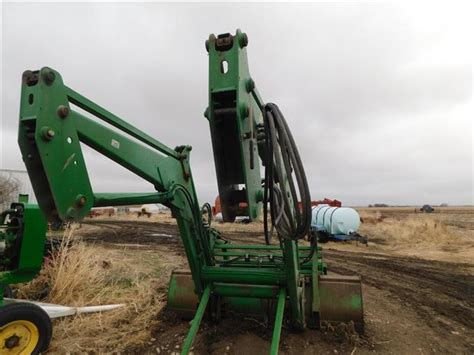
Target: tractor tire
[7,292]
[25,328]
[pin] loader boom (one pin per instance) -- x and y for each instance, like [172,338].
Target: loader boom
[287,277]
[50,135]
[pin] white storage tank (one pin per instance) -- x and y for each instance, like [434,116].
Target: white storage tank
[335,220]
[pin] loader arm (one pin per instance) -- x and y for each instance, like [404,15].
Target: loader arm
[51,131]
[224,277]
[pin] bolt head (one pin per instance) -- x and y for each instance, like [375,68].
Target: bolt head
[244,110]
[249,85]
[48,76]
[63,111]
[30,78]
[47,133]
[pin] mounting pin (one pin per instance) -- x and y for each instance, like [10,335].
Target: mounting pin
[243,39]
[80,200]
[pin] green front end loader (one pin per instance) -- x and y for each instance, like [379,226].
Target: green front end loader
[257,166]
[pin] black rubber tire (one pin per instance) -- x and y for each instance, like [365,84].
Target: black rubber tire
[323,237]
[33,313]
[7,292]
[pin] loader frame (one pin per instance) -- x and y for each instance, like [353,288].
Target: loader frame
[55,120]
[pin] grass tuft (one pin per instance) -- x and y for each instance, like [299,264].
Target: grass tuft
[82,275]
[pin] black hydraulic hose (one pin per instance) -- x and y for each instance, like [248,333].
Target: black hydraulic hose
[285,180]
[268,188]
[196,212]
[314,245]
[207,209]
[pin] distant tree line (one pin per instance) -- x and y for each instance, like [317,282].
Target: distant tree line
[9,187]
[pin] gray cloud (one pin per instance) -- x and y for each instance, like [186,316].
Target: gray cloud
[379,97]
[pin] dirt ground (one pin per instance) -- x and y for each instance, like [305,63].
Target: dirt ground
[414,302]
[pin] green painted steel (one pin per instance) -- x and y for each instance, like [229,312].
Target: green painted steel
[94,109]
[50,133]
[123,199]
[246,278]
[293,282]
[341,300]
[252,276]
[23,198]
[235,298]
[245,290]
[278,322]
[50,147]
[243,253]
[315,305]
[257,247]
[23,233]
[197,320]
[234,117]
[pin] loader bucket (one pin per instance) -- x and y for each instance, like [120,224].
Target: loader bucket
[181,296]
[183,300]
[341,300]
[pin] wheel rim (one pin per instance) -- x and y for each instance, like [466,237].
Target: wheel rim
[19,337]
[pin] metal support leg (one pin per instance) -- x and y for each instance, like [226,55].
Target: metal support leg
[278,322]
[292,282]
[196,321]
[316,301]
[315,284]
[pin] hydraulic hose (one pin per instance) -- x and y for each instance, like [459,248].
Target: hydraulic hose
[285,180]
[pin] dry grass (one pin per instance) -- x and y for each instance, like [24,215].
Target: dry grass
[80,275]
[164,218]
[255,227]
[431,236]
[371,217]
[412,230]
[71,276]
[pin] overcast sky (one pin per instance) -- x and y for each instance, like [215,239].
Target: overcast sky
[378,96]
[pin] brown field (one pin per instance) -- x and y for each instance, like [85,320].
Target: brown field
[417,273]
[446,234]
